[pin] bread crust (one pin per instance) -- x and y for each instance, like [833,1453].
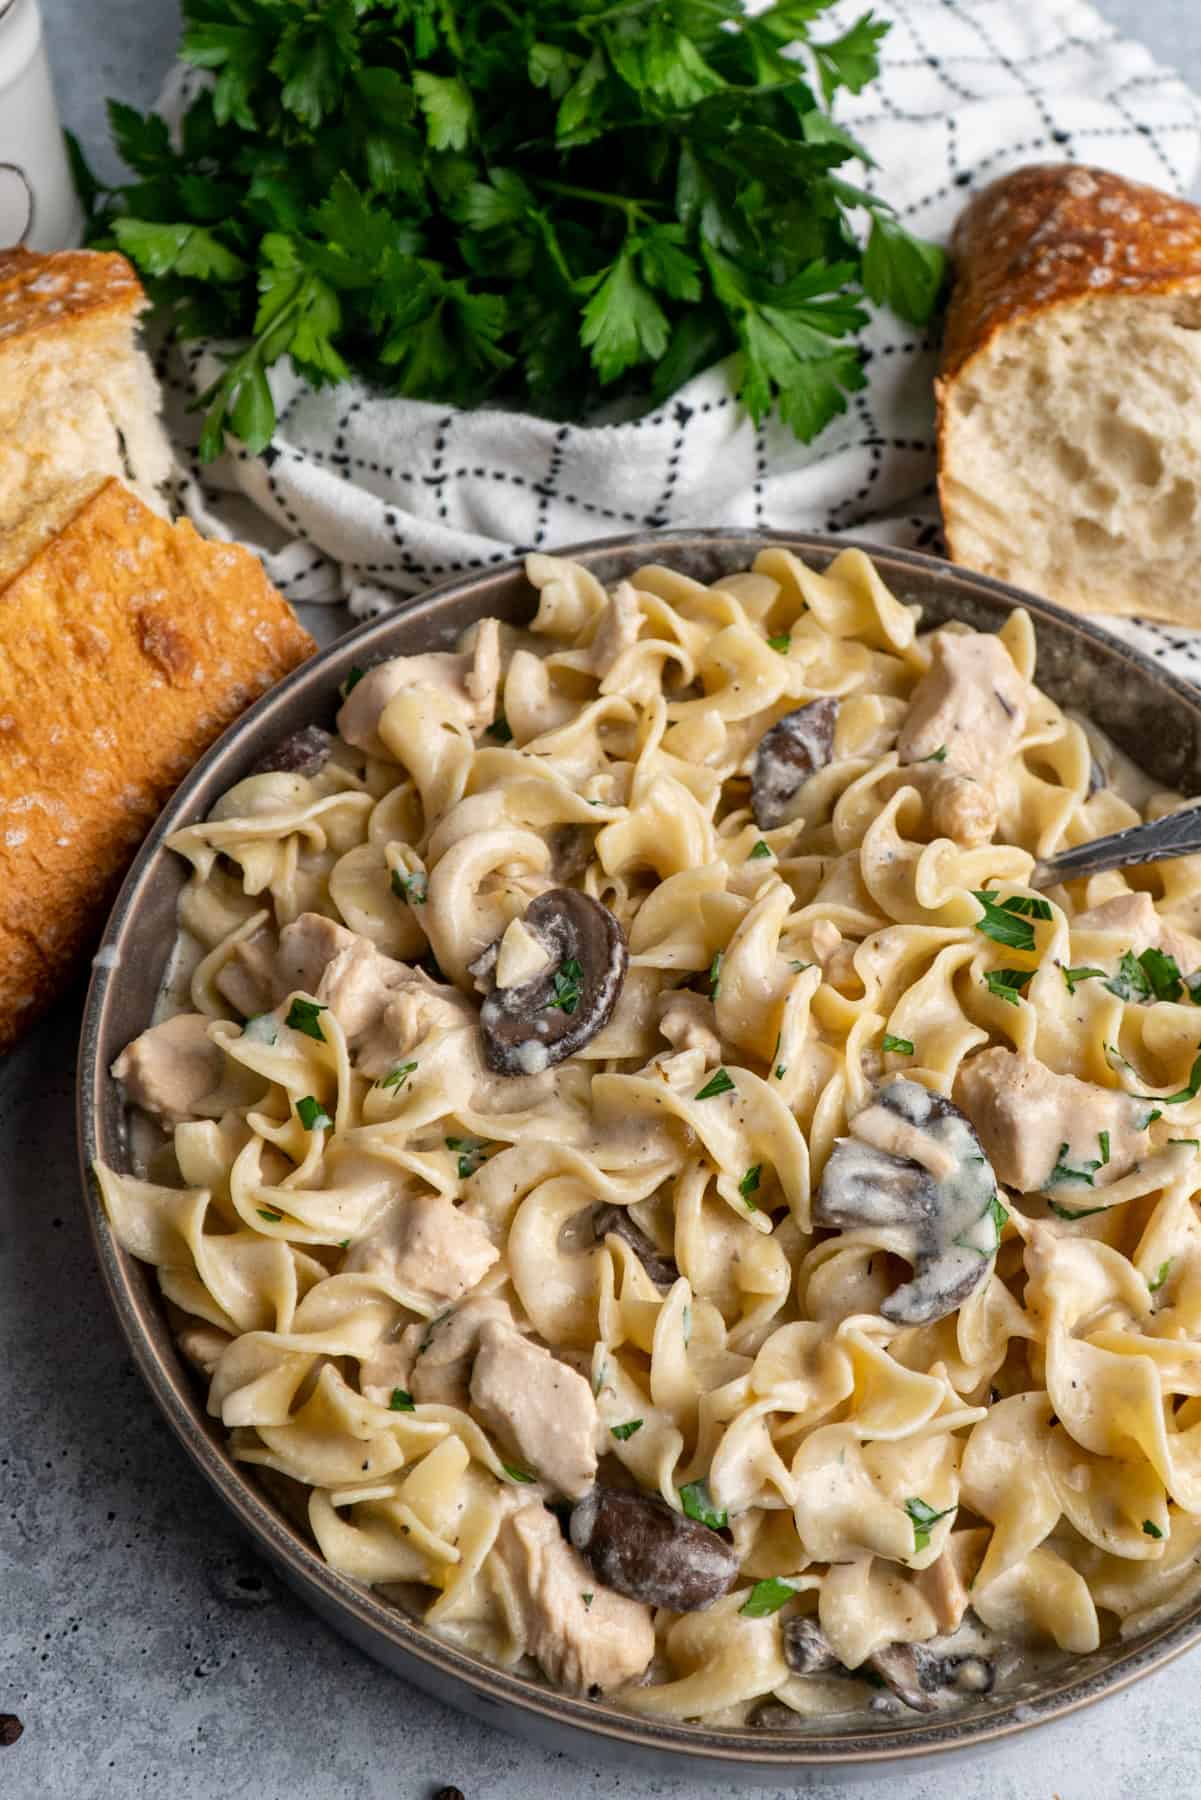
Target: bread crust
[46,295]
[1048,236]
[127,645]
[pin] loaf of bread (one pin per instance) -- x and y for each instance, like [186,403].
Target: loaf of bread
[126,646]
[77,395]
[1069,404]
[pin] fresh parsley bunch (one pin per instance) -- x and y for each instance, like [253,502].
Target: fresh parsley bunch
[536,199]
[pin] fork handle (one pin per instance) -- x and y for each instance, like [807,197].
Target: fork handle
[1176,834]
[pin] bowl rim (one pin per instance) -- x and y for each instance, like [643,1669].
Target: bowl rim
[357,1609]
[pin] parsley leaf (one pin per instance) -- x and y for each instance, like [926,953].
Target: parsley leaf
[939,755]
[568,979]
[782,642]
[265,1212]
[1007,984]
[1003,922]
[718,1083]
[305,1016]
[1152,1530]
[760,849]
[901,271]
[312,1114]
[1073,977]
[414,888]
[923,1516]
[400,1401]
[396,1078]
[1064,1172]
[767,1597]
[1151,976]
[473,1153]
[697,1504]
[1161,1275]
[715,975]
[622,1432]
[902,1046]
[516,1473]
[750,1184]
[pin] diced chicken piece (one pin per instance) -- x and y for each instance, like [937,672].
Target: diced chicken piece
[946,1584]
[1133,917]
[1024,1113]
[688,1022]
[202,1346]
[417,1008]
[469,679]
[583,1636]
[538,1407]
[618,630]
[971,703]
[444,1350]
[961,808]
[249,979]
[338,967]
[425,1247]
[172,1068]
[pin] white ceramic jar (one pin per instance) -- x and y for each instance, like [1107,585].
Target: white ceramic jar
[38,204]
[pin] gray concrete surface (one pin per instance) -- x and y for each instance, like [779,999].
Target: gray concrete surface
[144,1649]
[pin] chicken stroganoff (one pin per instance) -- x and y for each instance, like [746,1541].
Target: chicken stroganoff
[641,1165]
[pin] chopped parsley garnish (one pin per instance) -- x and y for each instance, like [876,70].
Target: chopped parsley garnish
[1152,1529]
[902,1046]
[352,680]
[1073,977]
[305,1016]
[567,979]
[780,1070]
[345,1244]
[767,1597]
[414,888]
[1151,1118]
[999,1215]
[587,1599]
[312,1114]
[1007,984]
[401,1401]
[261,1028]
[501,730]
[760,849]
[1103,1141]
[1178,1099]
[1003,922]
[798,968]
[622,1432]
[1064,1172]
[473,1153]
[517,1474]
[781,641]
[939,755]
[750,1183]
[265,1212]
[715,975]
[1161,1275]
[718,1083]
[923,1517]
[1030,906]
[698,1505]
[1195,1142]
[1071,1213]
[396,1077]
[1151,976]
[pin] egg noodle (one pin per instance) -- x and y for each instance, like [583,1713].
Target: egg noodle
[859,1229]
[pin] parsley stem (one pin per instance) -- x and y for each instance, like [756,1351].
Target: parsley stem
[634,210]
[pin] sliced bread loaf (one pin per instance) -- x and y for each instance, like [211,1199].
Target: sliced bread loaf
[1070,397]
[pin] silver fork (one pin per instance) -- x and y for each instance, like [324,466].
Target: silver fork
[1176,834]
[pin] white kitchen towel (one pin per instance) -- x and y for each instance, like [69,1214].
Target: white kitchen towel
[370,498]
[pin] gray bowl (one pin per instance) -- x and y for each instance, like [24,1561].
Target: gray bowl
[1151,714]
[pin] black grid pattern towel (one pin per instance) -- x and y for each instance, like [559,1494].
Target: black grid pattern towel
[369,498]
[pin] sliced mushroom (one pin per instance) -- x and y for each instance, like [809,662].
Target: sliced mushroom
[640,1547]
[305,752]
[914,1673]
[661,1269]
[914,1172]
[794,748]
[546,1019]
